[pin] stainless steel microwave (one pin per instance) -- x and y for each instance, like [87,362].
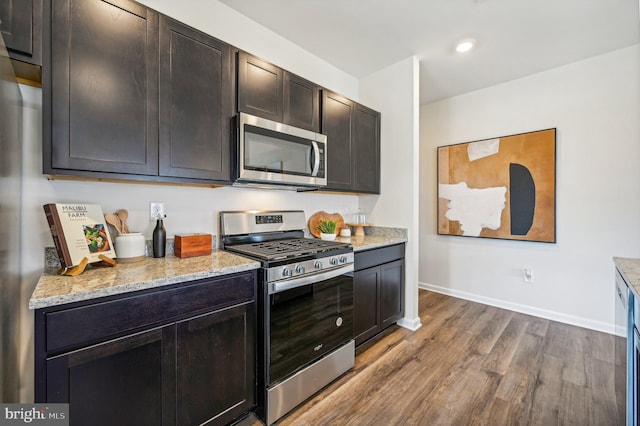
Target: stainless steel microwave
[278,155]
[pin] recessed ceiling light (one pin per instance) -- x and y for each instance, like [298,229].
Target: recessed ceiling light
[465,45]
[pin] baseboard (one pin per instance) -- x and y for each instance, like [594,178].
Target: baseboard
[411,324]
[525,309]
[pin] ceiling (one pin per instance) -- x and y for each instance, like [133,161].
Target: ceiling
[515,38]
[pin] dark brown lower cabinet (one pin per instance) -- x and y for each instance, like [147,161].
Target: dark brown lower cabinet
[215,373]
[378,286]
[365,297]
[196,366]
[119,382]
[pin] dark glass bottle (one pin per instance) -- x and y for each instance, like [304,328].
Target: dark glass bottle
[159,239]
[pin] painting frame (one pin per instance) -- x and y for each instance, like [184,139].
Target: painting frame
[499,188]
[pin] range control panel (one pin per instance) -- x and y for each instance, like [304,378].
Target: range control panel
[308,267]
[253,222]
[270,218]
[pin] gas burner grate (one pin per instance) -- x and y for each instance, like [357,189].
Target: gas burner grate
[280,249]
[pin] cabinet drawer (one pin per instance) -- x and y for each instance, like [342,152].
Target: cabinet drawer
[96,322]
[378,256]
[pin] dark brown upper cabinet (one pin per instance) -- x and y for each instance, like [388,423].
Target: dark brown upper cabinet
[366,150]
[301,103]
[353,144]
[259,87]
[101,89]
[270,92]
[21,25]
[196,103]
[337,124]
[131,94]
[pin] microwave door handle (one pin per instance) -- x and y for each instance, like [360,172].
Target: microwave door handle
[315,164]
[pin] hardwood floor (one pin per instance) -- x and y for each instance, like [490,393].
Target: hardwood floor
[472,364]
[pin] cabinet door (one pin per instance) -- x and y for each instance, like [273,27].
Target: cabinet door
[195,104]
[391,294]
[128,381]
[215,366]
[102,93]
[337,124]
[21,24]
[366,150]
[260,87]
[301,103]
[365,302]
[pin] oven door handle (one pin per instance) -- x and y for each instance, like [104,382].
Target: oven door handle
[280,286]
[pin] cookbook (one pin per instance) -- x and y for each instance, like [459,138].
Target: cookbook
[78,231]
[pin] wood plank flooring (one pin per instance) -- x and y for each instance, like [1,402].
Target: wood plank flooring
[472,364]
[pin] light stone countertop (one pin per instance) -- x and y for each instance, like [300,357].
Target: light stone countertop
[630,270]
[53,289]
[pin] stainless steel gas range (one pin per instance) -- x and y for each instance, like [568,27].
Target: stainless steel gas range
[305,321]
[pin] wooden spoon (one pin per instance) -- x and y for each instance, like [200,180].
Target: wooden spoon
[123,214]
[114,221]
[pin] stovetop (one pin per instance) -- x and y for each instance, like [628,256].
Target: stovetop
[288,248]
[277,240]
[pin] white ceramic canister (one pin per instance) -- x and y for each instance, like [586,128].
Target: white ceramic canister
[130,247]
[345,232]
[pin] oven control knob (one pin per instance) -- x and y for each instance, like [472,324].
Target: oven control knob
[334,261]
[343,259]
[286,272]
[317,264]
[300,269]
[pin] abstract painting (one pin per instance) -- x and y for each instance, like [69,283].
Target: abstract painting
[499,188]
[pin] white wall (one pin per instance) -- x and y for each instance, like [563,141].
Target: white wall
[595,106]
[394,91]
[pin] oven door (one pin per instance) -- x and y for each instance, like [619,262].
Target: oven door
[307,322]
[271,152]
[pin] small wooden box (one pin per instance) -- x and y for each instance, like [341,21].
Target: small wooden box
[190,245]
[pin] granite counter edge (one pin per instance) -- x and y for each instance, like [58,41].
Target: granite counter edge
[47,302]
[630,270]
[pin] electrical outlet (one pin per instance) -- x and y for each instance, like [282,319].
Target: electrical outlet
[527,275]
[156,210]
